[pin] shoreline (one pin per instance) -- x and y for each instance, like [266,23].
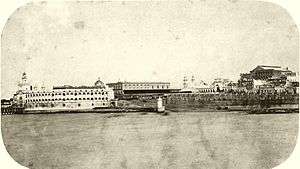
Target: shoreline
[144,111]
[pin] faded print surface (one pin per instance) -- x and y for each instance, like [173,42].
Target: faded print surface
[75,42]
[214,140]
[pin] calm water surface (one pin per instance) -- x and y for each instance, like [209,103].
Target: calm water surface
[208,140]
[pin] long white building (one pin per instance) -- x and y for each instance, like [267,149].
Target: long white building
[64,97]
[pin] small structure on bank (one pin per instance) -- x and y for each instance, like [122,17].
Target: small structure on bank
[160,106]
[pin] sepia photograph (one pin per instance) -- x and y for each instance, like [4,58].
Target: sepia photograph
[208,84]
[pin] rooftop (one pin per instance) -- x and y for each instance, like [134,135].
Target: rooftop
[76,87]
[139,83]
[266,67]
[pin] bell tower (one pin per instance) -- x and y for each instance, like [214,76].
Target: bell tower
[24,85]
[185,82]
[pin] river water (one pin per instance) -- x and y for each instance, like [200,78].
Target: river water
[208,140]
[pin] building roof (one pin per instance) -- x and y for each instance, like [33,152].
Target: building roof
[139,83]
[76,87]
[265,67]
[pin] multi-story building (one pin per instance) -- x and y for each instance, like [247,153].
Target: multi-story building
[64,97]
[273,76]
[245,81]
[132,88]
[262,72]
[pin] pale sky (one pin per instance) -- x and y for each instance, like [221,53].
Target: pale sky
[75,43]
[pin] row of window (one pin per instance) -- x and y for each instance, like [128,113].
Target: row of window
[64,94]
[58,90]
[64,99]
[141,87]
[64,105]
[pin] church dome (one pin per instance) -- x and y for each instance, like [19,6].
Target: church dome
[99,83]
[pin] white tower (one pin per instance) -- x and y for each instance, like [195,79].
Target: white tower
[185,82]
[24,85]
[193,81]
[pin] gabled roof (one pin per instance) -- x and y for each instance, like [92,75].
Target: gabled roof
[265,67]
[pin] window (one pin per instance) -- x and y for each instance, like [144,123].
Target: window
[64,105]
[78,105]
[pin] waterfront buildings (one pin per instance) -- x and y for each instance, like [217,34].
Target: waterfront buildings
[266,79]
[262,72]
[139,88]
[6,103]
[63,97]
[195,86]
[262,79]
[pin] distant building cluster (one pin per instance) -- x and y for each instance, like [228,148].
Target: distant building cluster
[270,79]
[262,79]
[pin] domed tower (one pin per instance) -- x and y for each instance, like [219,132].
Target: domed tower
[24,85]
[99,83]
[185,84]
[193,81]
